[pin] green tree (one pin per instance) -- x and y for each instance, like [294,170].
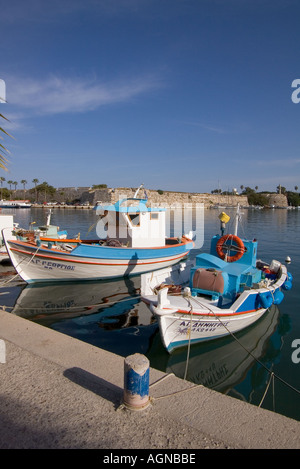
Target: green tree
[46,189]
[248,191]
[2,179]
[257,199]
[35,182]
[10,182]
[293,198]
[99,186]
[216,191]
[24,182]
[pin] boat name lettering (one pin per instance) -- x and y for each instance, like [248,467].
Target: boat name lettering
[199,326]
[52,265]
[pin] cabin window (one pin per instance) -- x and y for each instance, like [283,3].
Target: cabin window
[134,218]
[154,216]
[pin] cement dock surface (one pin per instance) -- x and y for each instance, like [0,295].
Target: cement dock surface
[60,393]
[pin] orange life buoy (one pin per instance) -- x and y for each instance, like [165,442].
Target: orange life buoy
[239,247]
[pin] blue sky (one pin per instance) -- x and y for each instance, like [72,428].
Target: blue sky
[183,95]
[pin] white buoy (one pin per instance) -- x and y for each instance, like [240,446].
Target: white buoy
[2,352]
[288,259]
[136,382]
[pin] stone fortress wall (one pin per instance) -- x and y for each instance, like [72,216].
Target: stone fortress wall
[158,198]
[165,199]
[170,198]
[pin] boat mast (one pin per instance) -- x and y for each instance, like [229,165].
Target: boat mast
[137,191]
[48,217]
[237,217]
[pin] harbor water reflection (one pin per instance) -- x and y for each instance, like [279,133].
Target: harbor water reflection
[112,316]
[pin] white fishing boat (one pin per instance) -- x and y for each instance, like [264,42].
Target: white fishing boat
[6,222]
[15,204]
[13,230]
[136,243]
[220,293]
[221,364]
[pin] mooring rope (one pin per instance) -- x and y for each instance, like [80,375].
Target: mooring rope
[248,351]
[266,390]
[21,261]
[189,342]
[188,296]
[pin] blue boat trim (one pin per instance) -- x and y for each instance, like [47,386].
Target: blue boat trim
[103,252]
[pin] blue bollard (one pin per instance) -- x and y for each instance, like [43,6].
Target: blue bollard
[136,382]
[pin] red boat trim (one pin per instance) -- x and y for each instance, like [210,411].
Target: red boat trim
[78,241]
[183,311]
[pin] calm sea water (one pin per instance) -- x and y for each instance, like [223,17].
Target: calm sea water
[110,315]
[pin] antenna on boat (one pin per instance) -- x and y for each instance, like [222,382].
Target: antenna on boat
[49,217]
[237,217]
[137,191]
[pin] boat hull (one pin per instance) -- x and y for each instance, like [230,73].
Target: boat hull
[185,319]
[37,264]
[180,330]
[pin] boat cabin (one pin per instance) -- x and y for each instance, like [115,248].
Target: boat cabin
[219,279]
[133,223]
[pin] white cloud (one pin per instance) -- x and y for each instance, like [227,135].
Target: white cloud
[56,95]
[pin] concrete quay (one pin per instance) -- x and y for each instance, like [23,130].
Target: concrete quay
[60,393]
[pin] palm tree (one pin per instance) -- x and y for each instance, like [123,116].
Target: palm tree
[15,184]
[10,182]
[296,188]
[24,182]
[2,179]
[35,182]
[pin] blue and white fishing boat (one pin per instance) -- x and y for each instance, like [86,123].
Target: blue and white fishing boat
[222,292]
[135,243]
